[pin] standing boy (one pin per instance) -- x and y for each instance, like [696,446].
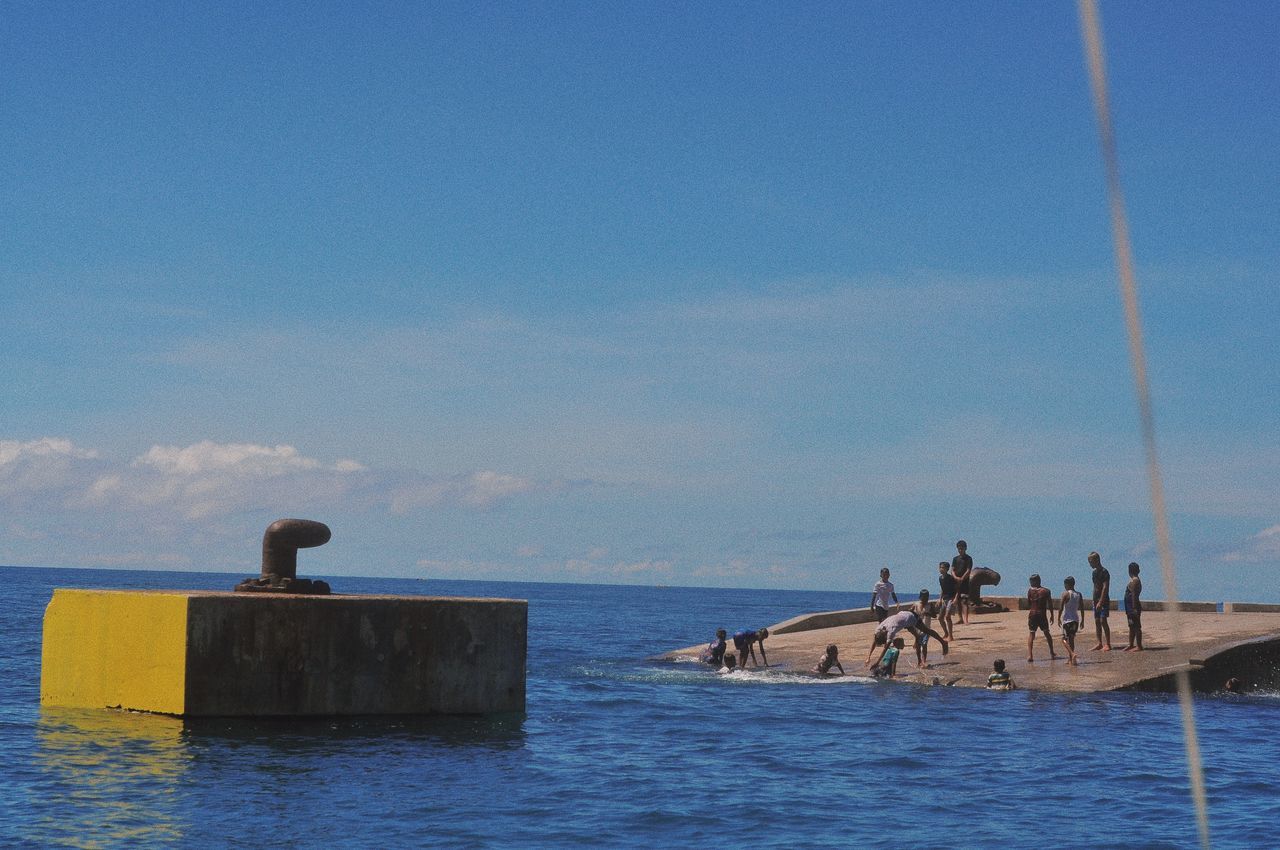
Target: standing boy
[1069,617]
[1133,608]
[922,609]
[1039,604]
[880,595]
[947,585]
[962,566]
[1101,602]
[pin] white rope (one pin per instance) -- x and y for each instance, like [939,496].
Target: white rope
[1137,359]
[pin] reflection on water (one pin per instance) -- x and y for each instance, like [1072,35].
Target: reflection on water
[108,778]
[111,778]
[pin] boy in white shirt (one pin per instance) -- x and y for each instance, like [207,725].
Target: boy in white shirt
[880,595]
[1069,617]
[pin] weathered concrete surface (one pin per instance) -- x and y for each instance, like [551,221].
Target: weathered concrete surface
[1250,607]
[1221,645]
[265,655]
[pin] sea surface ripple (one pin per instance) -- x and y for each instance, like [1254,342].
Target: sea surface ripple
[616,751]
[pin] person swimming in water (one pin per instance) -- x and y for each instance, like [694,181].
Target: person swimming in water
[999,680]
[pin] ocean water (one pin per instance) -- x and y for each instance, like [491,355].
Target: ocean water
[615,751]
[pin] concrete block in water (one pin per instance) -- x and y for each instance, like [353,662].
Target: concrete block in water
[205,653]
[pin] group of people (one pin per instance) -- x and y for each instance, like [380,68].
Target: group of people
[955,585]
[745,642]
[1070,611]
[1070,617]
[959,584]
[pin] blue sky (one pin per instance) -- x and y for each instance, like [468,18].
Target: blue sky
[750,295]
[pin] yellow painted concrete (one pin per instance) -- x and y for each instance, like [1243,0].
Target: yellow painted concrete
[111,648]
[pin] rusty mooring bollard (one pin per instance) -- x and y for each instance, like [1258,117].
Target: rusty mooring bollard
[280,545]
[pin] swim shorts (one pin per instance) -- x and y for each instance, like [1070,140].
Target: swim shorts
[1102,610]
[1038,621]
[1070,628]
[880,613]
[1135,619]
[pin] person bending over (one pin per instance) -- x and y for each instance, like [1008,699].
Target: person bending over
[906,621]
[746,641]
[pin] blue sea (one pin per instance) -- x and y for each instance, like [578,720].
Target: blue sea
[616,751]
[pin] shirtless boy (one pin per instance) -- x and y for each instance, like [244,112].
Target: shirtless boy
[1101,602]
[1133,608]
[947,585]
[1039,604]
[922,609]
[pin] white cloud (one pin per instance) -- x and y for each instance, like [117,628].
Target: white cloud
[654,570]
[42,472]
[1262,547]
[12,451]
[479,490]
[209,479]
[207,457]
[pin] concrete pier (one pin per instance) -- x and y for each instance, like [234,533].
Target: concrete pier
[246,654]
[1242,641]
